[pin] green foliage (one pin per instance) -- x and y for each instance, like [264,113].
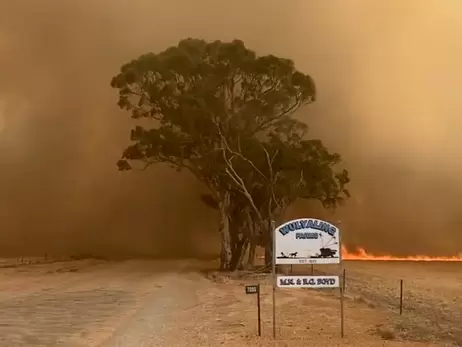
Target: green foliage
[224,113]
[286,167]
[187,84]
[306,169]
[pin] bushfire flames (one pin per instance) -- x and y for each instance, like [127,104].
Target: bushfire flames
[361,254]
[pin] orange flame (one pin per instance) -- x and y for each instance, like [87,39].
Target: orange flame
[361,254]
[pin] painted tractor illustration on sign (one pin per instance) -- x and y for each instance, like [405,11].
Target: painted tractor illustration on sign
[325,251]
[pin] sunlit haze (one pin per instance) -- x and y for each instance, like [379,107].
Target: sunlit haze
[388,75]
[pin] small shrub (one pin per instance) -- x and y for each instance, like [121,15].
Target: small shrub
[386,333]
[361,300]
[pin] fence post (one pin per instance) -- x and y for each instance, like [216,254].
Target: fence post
[401,297]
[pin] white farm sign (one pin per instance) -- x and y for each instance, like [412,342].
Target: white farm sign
[308,282]
[307,241]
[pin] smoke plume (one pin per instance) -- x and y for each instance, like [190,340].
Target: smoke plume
[387,73]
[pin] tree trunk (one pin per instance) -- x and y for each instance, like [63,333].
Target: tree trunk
[252,240]
[237,249]
[252,249]
[269,254]
[275,215]
[225,235]
[269,245]
[237,241]
[240,265]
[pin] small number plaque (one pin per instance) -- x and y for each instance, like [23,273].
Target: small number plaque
[252,289]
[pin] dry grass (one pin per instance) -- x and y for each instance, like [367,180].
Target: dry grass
[432,296]
[228,317]
[386,333]
[432,308]
[152,303]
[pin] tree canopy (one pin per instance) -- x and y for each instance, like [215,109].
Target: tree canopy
[226,115]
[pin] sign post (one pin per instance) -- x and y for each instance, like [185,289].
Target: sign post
[307,241]
[274,278]
[400,297]
[259,310]
[255,289]
[342,293]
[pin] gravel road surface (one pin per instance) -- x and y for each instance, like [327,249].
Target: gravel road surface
[94,303]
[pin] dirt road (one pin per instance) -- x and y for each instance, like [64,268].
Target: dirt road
[93,303]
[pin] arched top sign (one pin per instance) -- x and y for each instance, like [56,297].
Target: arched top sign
[307,241]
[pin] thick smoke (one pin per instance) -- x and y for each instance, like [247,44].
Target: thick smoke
[387,74]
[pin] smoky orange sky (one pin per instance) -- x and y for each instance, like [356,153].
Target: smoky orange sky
[388,74]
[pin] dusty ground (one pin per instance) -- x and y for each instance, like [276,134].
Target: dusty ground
[432,296]
[173,303]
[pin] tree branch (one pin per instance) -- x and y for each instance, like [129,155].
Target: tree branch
[272,182]
[238,154]
[232,173]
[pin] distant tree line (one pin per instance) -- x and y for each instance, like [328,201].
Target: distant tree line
[226,115]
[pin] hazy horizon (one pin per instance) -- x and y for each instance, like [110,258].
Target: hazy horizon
[387,75]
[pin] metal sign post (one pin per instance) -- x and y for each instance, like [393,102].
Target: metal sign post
[259,311]
[273,234]
[255,289]
[342,287]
